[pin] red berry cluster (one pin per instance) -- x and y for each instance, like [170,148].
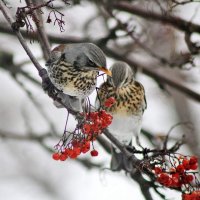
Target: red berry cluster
[95,122]
[195,195]
[74,149]
[86,133]
[178,173]
[109,102]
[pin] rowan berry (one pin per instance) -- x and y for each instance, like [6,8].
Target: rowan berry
[180,168]
[193,160]
[56,156]
[94,153]
[63,157]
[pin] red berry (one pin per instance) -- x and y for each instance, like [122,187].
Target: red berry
[193,196]
[84,150]
[86,128]
[77,150]
[186,164]
[72,153]
[163,178]
[109,102]
[189,178]
[56,156]
[196,194]
[75,143]
[157,170]
[187,197]
[193,160]
[68,152]
[180,168]
[176,175]
[85,147]
[168,182]
[63,157]
[94,153]
[73,156]
[175,182]
[194,166]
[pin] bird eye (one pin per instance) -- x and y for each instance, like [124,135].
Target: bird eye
[91,63]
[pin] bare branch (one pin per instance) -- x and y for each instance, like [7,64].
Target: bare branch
[28,137]
[54,39]
[10,20]
[182,2]
[104,143]
[42,36]
[175,21]
[144,185]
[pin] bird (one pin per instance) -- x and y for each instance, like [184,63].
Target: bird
[127,110]
[73,69]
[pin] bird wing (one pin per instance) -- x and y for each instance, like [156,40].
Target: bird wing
[144,98]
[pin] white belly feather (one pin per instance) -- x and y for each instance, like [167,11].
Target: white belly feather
[125,127]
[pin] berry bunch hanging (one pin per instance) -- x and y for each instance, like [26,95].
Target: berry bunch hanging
[178,172]
[80,141]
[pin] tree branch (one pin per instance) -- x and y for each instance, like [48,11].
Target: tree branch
[42,36]
[135,162]
[175,21]
[10,20]
[29,136]
[104,143]
[31,35]
[144,185]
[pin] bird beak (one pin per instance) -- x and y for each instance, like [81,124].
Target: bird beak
[106,71]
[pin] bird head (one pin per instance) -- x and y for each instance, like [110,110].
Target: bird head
[84,57]
[122,74]
[55,55]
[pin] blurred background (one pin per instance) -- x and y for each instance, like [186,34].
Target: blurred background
[166,60]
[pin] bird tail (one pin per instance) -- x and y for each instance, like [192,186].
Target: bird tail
[119,161]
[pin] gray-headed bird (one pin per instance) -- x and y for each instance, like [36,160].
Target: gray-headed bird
[127,110]
[73,69]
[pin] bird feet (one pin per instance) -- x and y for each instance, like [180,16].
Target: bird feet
[51,90]
[130,148]
[48,86]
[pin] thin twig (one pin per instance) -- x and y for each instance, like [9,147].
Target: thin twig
[54,39]
[42,36]
[28,137]
[10,20]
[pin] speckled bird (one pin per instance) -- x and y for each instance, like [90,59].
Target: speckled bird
[129,106]
[73,68]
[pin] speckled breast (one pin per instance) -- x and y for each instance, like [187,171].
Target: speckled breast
[130,100]
[71,81]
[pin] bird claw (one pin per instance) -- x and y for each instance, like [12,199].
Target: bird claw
[130,148]
[51,90]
